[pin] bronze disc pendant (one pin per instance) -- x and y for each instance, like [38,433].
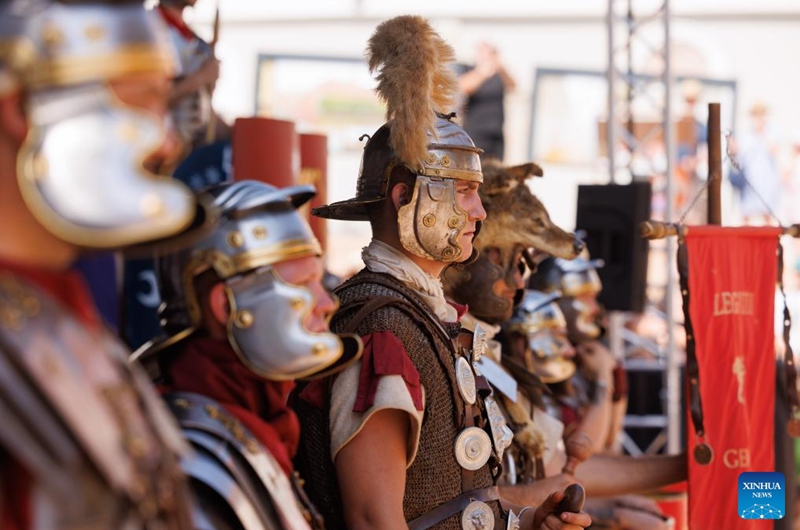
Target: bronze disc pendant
[703,454]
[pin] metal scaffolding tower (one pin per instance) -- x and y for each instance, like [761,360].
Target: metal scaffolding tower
[640,113]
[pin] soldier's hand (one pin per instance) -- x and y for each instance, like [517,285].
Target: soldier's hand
[209,72]
[544,517]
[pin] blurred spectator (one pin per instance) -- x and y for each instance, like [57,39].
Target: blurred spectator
[197,73]
[757,177]
[484,87]
[692,167]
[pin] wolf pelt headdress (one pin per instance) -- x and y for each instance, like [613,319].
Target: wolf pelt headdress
[516,221]
[417,84]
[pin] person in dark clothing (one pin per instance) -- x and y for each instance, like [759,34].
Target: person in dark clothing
[484,87]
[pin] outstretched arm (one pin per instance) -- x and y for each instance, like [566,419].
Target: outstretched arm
[611,475]
[535,493]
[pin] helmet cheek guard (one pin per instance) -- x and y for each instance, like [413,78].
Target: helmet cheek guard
[80,170]
[82,175]
[586,323]
[266,328]
[432,223]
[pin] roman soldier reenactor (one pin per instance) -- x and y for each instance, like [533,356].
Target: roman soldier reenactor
[245,313]
[195,78]
[596,397]
[404,438]
[85,442]
[528,349]
[492,286]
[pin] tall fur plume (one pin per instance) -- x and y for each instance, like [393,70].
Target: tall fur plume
[414,79]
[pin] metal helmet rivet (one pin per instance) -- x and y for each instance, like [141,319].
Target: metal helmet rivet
[296,303]
[431,160]
[448,252]
[244,319]
[318,349]
[260,232]
[235,239]
[446,161]
[52,36]
[453,222]
[429,220]
[31,306]
[40,165]
[151,205]
[128,132]
[94,33]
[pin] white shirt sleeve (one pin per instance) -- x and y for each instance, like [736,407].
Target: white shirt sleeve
[391,393]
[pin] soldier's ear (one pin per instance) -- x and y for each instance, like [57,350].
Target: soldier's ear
[401,195]
[13,122]
[218,303]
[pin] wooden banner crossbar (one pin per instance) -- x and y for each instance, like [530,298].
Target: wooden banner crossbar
[660,230]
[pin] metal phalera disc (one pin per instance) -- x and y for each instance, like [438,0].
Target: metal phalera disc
[477,516]
[473,448]
[466,380]
[703,454]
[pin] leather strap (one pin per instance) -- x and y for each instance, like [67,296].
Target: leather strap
[452,507]
[384,281]
[788,356]
[367,309]
[692,368]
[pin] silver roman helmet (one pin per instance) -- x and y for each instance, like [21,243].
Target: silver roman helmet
[81,169]
[259,226]
[548,352]
[575,279]
[417,85]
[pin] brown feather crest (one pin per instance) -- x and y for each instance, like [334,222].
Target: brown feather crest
[414,79]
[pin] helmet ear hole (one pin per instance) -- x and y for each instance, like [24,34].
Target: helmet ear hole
[218,303]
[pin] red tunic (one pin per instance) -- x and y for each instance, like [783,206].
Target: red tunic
[211,368]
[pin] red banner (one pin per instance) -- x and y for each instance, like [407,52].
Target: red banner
[732,279]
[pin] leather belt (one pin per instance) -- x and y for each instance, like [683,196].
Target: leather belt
[452,507]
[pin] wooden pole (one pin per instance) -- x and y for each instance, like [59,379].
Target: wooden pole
[714,165]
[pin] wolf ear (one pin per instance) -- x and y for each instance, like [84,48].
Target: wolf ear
[524,171]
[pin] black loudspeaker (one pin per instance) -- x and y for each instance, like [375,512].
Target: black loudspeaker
[610,216]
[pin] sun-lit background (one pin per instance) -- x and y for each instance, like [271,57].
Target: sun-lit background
[302,61]
[648,67]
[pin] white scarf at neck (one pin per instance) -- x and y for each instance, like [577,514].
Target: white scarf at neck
[383,258]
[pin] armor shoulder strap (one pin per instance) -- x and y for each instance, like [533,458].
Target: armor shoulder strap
[238,455]
[398,296]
